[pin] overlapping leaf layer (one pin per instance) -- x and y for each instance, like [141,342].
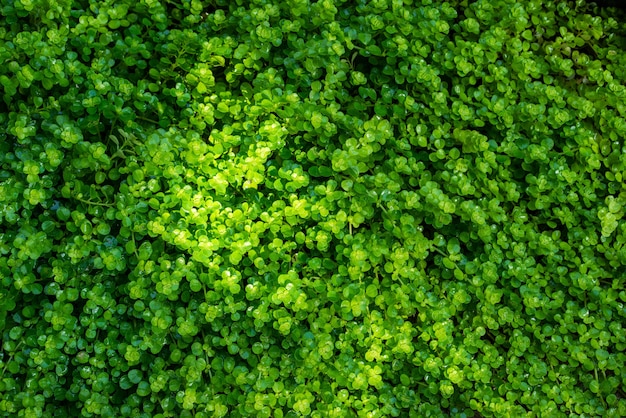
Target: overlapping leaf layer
[295,208]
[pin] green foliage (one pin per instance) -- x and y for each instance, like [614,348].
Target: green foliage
[296,208]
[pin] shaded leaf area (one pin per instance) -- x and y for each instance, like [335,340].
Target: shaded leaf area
[295,208]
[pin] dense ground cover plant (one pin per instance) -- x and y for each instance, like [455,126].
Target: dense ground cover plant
[294,208]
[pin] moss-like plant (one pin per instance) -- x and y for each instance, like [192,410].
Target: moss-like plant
[295,208]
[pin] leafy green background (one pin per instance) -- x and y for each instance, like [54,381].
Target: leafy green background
[297,208]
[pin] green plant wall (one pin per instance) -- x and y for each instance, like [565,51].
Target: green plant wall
[258,208]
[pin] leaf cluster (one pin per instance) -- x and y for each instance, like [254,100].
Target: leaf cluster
[294,208]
